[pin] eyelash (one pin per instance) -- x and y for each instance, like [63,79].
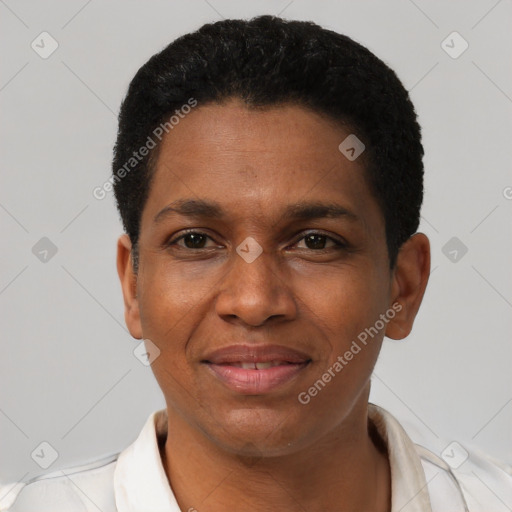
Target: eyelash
[338,243]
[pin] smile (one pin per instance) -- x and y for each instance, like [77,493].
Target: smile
[256,369]
[259,365]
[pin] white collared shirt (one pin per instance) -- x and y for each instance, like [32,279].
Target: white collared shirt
[135,480]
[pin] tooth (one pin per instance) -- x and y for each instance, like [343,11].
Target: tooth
[264,366]
[249,366]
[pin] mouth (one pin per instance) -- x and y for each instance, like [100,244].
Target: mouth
[256,370]
[257,365]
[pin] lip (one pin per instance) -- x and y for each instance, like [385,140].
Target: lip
[225,364]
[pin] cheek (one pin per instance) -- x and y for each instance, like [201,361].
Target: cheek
[344,305]
[174,303]
[343,301]
[343,308]
[171,295]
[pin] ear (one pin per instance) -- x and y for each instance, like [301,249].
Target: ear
[410,277]
[129,286]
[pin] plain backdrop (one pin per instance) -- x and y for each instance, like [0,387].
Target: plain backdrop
[68,375]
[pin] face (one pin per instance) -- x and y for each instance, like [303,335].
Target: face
[263,260]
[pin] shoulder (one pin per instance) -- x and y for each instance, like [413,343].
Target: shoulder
[462,476]
[457,477]
[89,487]
[85,488]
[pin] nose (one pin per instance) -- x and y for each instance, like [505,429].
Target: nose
[255,293]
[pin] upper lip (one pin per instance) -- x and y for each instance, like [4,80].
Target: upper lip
[256,353]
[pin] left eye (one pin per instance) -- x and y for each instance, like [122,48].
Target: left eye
[318,241]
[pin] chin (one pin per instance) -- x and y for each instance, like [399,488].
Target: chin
[255,432]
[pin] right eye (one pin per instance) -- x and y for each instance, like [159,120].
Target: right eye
[191,240]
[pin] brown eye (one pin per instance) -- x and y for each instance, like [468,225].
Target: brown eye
[194,240]
[315,241]
[191,240]
[318,241]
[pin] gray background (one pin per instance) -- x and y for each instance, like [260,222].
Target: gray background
[68,375]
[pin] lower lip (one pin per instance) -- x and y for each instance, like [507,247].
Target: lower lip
[256,382]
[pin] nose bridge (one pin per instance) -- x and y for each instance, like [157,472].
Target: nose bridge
[260,273]
[253,289]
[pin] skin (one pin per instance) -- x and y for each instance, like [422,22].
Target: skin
[226,450]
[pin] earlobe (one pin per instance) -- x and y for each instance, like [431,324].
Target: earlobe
[129,286]
[409,281]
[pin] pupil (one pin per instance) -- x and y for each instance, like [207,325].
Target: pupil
[196,241]
[315,241]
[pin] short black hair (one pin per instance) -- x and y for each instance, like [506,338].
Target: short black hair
[269,61]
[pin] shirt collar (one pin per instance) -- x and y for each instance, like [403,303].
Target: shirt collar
[140,481]
[409,492]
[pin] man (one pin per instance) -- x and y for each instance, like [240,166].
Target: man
[269,178]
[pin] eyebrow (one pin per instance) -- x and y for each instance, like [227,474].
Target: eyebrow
[191,208]
[297,211]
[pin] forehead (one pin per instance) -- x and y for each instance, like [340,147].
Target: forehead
[257,161]
[237,132]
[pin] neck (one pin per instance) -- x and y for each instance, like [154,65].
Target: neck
[344,471]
